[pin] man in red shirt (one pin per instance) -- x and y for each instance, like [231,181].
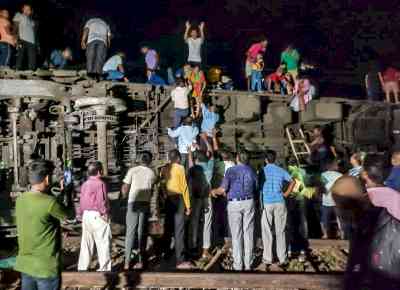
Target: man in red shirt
[251,57]
[7,39]
[95,212]
[391,78]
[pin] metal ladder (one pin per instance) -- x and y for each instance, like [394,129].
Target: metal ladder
[298,144]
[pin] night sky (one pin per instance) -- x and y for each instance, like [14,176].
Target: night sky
[332,33]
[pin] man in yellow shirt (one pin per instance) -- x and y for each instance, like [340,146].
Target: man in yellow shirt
[177,205]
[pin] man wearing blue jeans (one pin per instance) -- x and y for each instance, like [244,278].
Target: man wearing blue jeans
[274,208]
[180,98]
[239,186]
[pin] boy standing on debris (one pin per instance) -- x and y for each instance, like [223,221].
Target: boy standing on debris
[95,212]
[139,183]
[39,233]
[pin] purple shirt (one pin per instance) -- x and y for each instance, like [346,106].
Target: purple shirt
[240,181]
[94,196]
[151,59]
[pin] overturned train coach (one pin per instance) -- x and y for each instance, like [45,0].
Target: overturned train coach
[64,117]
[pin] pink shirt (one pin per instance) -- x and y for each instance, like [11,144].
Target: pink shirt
[387,198]
[94,196]
[255,49]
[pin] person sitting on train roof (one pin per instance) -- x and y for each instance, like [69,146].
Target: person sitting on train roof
[60,58]
[114,67]
[276,78]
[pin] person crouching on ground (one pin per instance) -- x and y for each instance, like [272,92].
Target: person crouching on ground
[139,183]
[274,208]
[239,186]
[177,205]
[257,74]
[95,212]
[38,217]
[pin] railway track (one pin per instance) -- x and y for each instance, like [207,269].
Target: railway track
[319,275]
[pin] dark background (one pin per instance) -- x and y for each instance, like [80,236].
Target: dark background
[336,34]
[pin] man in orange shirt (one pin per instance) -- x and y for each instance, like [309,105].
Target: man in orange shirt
[7,39]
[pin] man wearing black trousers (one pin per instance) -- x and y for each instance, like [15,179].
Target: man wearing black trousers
[27,40]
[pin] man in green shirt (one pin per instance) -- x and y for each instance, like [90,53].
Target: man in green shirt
[39,232]
[291,59]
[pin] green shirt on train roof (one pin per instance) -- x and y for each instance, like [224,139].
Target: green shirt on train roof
[290,59]
[39,234]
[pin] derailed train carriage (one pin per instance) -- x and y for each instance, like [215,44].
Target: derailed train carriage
[64,117]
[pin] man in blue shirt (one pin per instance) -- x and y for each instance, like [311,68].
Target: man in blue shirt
[209,120]
[60,58]
[239,186]
[186,135]
[274,208]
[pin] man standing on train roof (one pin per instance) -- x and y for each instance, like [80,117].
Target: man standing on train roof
[194,42]
[251,57]
[96,40]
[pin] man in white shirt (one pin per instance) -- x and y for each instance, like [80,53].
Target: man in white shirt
[96,39]
[194,42]
[27,41]
[180,97]
[139,183]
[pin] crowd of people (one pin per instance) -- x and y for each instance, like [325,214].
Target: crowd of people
[208,196]
[208,193]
